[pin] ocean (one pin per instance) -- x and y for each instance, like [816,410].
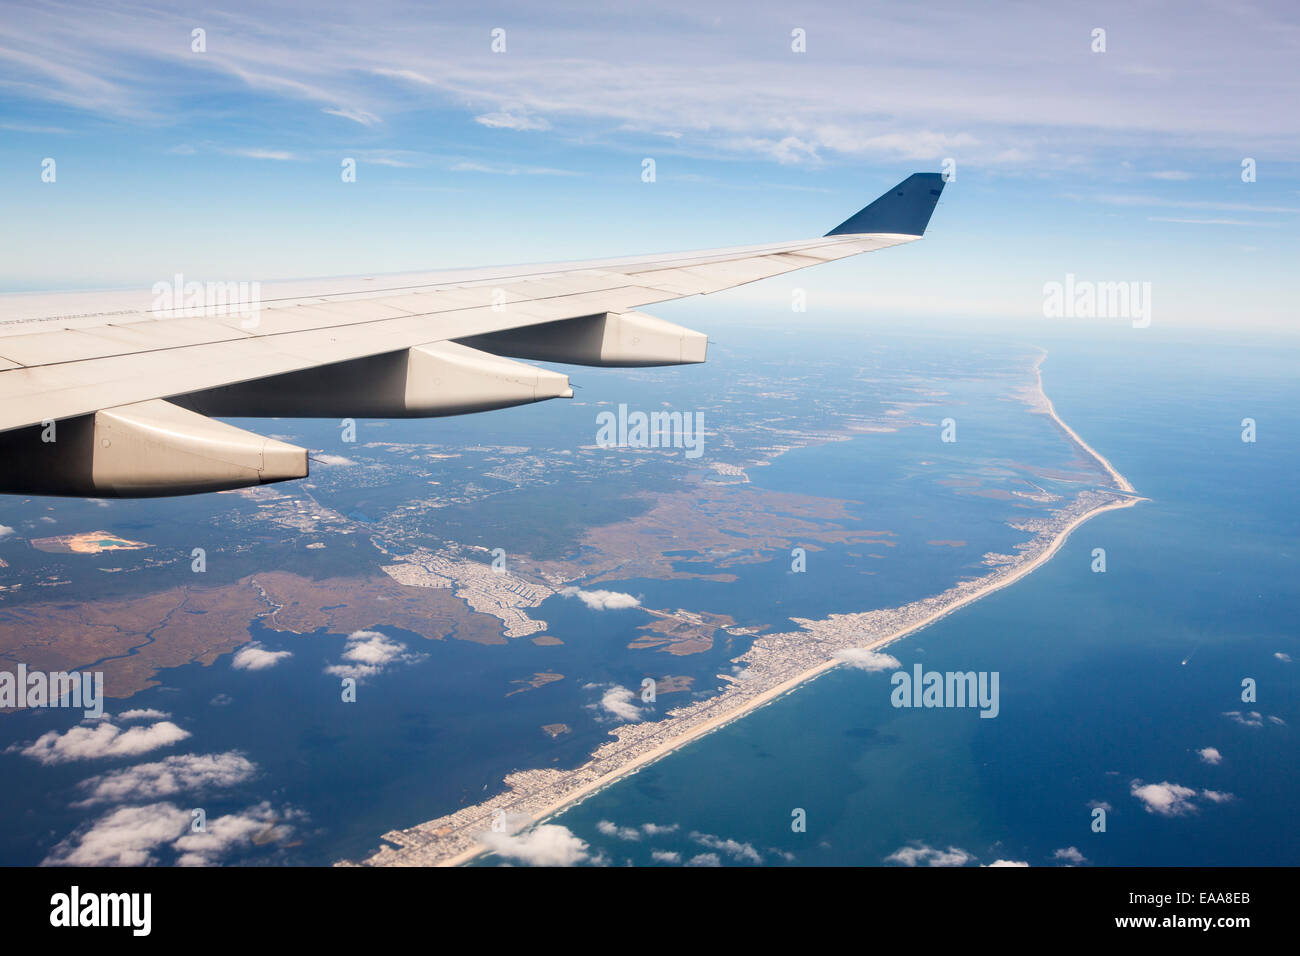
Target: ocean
[1109,682]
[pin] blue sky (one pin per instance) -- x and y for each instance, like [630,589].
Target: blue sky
[1123,165]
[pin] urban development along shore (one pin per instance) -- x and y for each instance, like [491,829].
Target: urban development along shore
[774,665]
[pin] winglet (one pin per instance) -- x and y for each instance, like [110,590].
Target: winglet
[905,209]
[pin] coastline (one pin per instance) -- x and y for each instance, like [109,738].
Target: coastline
[1121,482]
[424,844]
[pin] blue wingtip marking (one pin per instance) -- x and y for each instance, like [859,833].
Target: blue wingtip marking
[905,209]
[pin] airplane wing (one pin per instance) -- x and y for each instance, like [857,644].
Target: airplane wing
[112,394]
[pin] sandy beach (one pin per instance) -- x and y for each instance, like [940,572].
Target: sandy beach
[695,733]
[670,744]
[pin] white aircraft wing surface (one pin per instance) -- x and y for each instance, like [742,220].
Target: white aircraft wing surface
[113,394]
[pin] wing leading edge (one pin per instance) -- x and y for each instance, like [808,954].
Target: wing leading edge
[108,395]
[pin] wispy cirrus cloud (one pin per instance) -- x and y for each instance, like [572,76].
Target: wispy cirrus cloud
[1124,199]
[498,169]
[943,79]
[1214,222]
[515,121]
[356,116]
[254,152]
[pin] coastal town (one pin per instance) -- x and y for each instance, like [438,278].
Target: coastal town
[774,665]
[480,585]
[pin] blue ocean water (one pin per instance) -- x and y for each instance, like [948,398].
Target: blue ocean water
[1108,681]
[1094,689]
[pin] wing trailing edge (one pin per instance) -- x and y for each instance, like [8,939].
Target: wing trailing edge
[108,397]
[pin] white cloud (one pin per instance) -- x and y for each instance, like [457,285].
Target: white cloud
[409,75]
[1167,799]
[1280,655]
[386,159]
[496,170]
[105,739]
[337,460]
[1071,855]
[1216,796]
[5,531]
[611,829]
[705,859]
[220,836]
[867,660]
[1008,863]
[1210,755]
[665,856]
[921,854]
[143,713]
[138,836]
[601,600]
[368,653]
[967,78]
[788,150]
[619,702]
[356,116]
[502,120]
[255,657]
[742,852]
[1252,718]
[279,155]
[164,778]
[128,836]
[1125,199]
[1213,222]
[656,829]
[547,845]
